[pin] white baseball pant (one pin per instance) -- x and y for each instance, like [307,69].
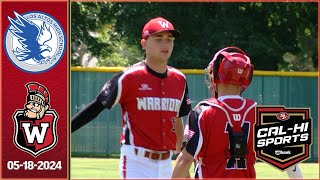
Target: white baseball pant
[134,165]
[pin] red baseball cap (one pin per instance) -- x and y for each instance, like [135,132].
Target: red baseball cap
[157,25]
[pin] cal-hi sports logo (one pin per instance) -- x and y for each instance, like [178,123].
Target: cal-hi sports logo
[283,135]
[35,129]
[34,41]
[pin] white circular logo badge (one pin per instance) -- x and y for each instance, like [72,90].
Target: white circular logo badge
[34,41]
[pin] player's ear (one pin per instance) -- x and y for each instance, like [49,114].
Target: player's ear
[143,43]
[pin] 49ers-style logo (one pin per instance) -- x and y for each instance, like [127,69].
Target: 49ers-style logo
[35,126]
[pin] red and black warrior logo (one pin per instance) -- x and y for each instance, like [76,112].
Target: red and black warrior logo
[283,135]
[35,126]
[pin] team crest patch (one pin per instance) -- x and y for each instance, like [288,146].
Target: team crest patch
[34,41]
[35,126]
[283,136]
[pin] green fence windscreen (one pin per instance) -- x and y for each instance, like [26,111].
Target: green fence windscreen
[102,135]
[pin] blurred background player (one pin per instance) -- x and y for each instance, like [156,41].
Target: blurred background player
[219,130]
[153,98]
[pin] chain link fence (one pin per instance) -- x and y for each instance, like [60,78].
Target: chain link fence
[102,135]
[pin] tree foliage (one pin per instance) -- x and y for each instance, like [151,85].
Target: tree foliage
[276,36]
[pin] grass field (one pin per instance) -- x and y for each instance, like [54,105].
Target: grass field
[90,168]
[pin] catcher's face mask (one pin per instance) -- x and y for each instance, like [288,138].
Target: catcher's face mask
[209,82]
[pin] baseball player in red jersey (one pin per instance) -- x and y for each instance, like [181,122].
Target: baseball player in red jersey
[153,98]
[219,130]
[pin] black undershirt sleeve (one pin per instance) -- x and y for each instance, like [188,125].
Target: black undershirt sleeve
[91,111]
[185,107]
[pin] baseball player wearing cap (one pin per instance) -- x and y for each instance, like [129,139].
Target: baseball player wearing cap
[153,98]
[219,130]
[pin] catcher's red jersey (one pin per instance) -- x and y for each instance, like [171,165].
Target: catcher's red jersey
[149,102]
[208,139]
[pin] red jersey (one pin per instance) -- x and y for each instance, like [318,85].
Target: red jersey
[149,102]
[207,137]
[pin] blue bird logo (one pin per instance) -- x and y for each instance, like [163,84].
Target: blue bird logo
[32,39]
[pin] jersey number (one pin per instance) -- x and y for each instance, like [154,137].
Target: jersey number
[238,163]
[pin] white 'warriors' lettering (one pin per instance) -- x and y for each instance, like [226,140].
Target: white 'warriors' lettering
[158,104]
